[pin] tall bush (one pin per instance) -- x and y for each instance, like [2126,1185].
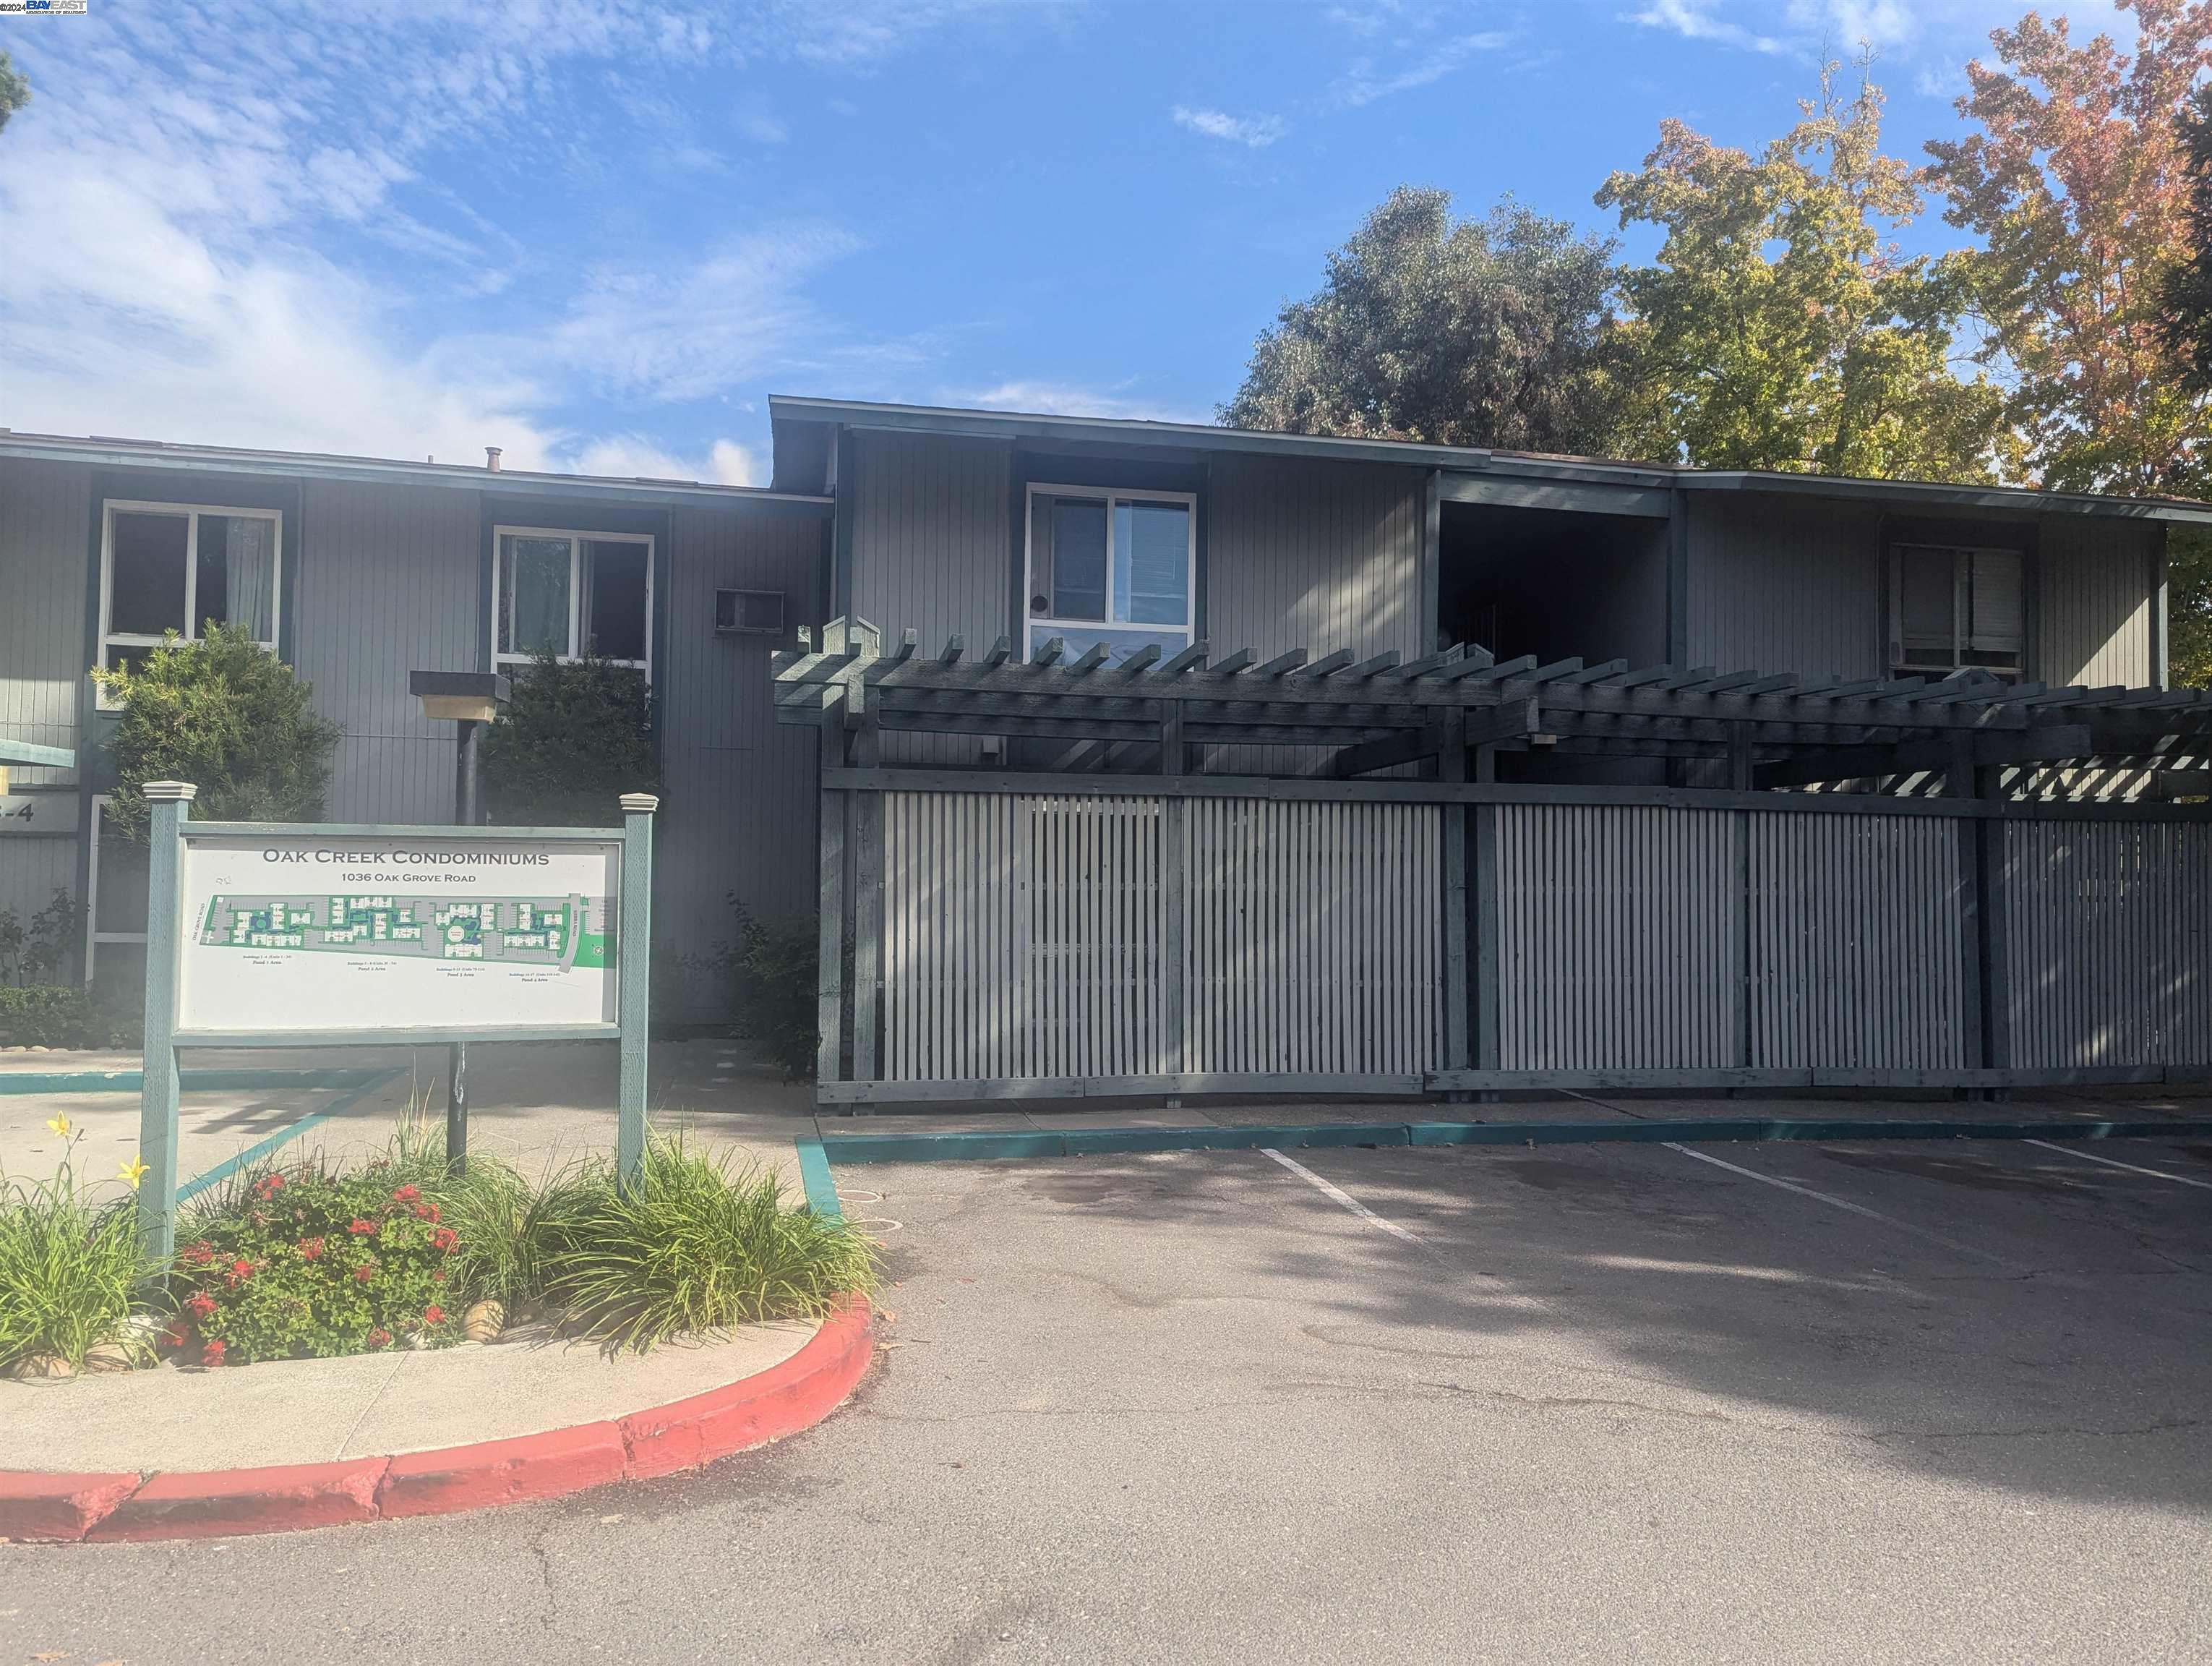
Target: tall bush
[575,736]
[226,714]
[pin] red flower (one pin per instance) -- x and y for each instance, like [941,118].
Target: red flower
[362,1229]
[426,1211]
[365,1272]
[268,1186]
[437,1277]
[177,1335]
[380,1338]
[199,1304]
[444,1239]
[211,1351]
[405,1195]
[198,1254]
[434,1315]
[312,1249]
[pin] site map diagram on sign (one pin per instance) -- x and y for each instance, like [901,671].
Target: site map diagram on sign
[325,934]
[523,931]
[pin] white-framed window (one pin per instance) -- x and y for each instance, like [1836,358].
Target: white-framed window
[571,592]
[1112,567]
[115,899]
[173,566]
[1953,606]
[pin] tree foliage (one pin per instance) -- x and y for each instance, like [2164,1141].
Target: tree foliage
[1780,327]
[1466,333]
[574,737]
[2186,297]
[2077,185]
[226,714]
[14,91]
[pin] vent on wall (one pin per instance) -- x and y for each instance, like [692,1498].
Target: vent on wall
[749,612]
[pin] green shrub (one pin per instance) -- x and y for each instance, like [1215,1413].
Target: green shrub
[70,1268]
[774,989]
[227,716]
[49,1017]
[690,1247]
[36,953]
[573,738]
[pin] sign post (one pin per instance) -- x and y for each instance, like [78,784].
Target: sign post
[170,803]
[287,934]
[636,979]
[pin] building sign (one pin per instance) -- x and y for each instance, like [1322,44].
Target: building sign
[323,932]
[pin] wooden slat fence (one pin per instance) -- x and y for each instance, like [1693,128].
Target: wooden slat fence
[1618,947]
[2108,934]
[1858,943]
[1023,938]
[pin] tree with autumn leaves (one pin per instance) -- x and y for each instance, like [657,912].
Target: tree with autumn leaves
[1781,327]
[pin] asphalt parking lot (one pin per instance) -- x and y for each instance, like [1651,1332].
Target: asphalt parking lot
[1913,1401]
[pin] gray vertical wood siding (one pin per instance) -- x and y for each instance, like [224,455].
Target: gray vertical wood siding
[932,548]
[1314,555]
[44,534]
[739,806]
[1785,585]
[386,585]
[31,871]
[2096,602]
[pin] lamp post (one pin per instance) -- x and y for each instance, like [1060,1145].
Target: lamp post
[470,699]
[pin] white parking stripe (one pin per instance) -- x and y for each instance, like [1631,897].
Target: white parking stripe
[1342,1196]
[1839,1203]
[2115,1162]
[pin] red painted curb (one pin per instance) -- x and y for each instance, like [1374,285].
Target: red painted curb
[207,1504]
[793,1396]
[34,1506]
[495,1472]
[779,1402]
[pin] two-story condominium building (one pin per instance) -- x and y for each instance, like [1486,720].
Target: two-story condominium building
[1049,548]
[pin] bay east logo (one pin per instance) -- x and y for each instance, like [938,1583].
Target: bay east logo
[58,6]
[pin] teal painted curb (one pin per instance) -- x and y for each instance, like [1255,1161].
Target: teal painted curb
[814,1175]
[261,1148]
[1085,1142]
[131,1081]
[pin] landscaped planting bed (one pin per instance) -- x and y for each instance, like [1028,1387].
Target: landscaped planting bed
[308,1259]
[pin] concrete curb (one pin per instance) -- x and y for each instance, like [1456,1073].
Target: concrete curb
[133,1081]
[209,1504]
[1093,1142]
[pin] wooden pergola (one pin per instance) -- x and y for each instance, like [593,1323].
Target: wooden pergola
[1976,764]
[1089,718]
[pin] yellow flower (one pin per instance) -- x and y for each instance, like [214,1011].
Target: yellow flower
[131,1173]
[59,1122]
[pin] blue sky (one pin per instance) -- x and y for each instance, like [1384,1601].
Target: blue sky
[600,235]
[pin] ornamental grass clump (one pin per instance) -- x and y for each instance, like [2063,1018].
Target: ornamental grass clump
[692,1246]
[69,1273]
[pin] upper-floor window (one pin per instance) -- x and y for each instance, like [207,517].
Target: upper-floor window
[1110,567]
[1952,606]
[571,593]
[176,567]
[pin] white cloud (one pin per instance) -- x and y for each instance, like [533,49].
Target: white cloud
[1700,20]
[1255,132]
[213,234]
[634,456]
[1072,400]
[1426,62]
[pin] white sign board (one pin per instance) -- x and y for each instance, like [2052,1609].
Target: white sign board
[309,932]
